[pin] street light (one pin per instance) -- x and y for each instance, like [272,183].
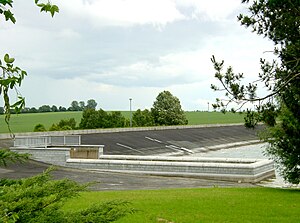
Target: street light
[130,99]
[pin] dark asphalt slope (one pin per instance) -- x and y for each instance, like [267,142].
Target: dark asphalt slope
[156,142]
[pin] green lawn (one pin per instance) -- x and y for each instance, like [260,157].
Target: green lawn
[202,205]
[26,122]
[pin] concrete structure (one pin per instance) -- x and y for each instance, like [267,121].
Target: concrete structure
[238,170]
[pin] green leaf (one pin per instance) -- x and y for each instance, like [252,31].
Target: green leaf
[6,58]
[9,16]
[54,9]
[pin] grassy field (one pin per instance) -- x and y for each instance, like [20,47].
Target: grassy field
[26,122]
[202,205]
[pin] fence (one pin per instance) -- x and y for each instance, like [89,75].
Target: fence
[45,141]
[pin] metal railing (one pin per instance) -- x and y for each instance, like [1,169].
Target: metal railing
[45,141]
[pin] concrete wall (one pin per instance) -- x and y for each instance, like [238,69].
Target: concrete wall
[245,171]
[55,156]
[59,155]
[230,169]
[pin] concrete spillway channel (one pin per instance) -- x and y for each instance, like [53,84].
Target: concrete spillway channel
[91,157]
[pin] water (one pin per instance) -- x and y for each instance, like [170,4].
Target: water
[256,151]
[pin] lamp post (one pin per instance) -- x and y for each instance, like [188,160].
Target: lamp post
[130,99]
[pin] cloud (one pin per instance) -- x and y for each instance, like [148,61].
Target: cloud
[114,50]
[124,12]
[215,10]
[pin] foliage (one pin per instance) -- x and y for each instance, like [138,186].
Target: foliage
[80,106]
[39,128]
[91,104]
[92,119]
[54,108]
[116,119]
[142,118]
[7,156]
[44,108]
[39,199]
[167,110]
[64,124]
[74,106]
[278,21]
[6,5]
[11,78]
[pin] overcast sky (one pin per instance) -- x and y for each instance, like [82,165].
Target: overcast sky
[113,50]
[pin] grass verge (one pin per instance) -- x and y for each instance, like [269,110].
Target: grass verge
[202,205]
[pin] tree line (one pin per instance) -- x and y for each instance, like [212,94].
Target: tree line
[75,106]
[166,110]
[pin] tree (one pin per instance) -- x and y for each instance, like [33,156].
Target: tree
[74,106]
[54,108]
[82,105]
[92,119]
[142,118]
[45,108]
[62,109]
[91,104]
[64,124]
[167,110]
[115,120]
[278,21]
[33,110]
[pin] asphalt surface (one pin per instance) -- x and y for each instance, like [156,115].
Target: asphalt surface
[103,181]
[141,143]
[157,142]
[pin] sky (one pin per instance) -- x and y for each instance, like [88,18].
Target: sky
[114,50]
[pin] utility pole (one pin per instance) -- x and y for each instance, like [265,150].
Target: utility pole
[130,99]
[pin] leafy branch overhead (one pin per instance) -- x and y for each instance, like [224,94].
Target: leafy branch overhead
[7,5]
[11,78]
[278,21]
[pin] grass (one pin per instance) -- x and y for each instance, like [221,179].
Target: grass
[26,122]
[202,205]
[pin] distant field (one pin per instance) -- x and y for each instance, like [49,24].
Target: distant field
[26,122]
[201,205]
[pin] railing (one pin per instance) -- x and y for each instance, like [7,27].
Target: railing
[46,141]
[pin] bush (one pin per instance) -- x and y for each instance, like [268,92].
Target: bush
[39,128]
[39,199]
